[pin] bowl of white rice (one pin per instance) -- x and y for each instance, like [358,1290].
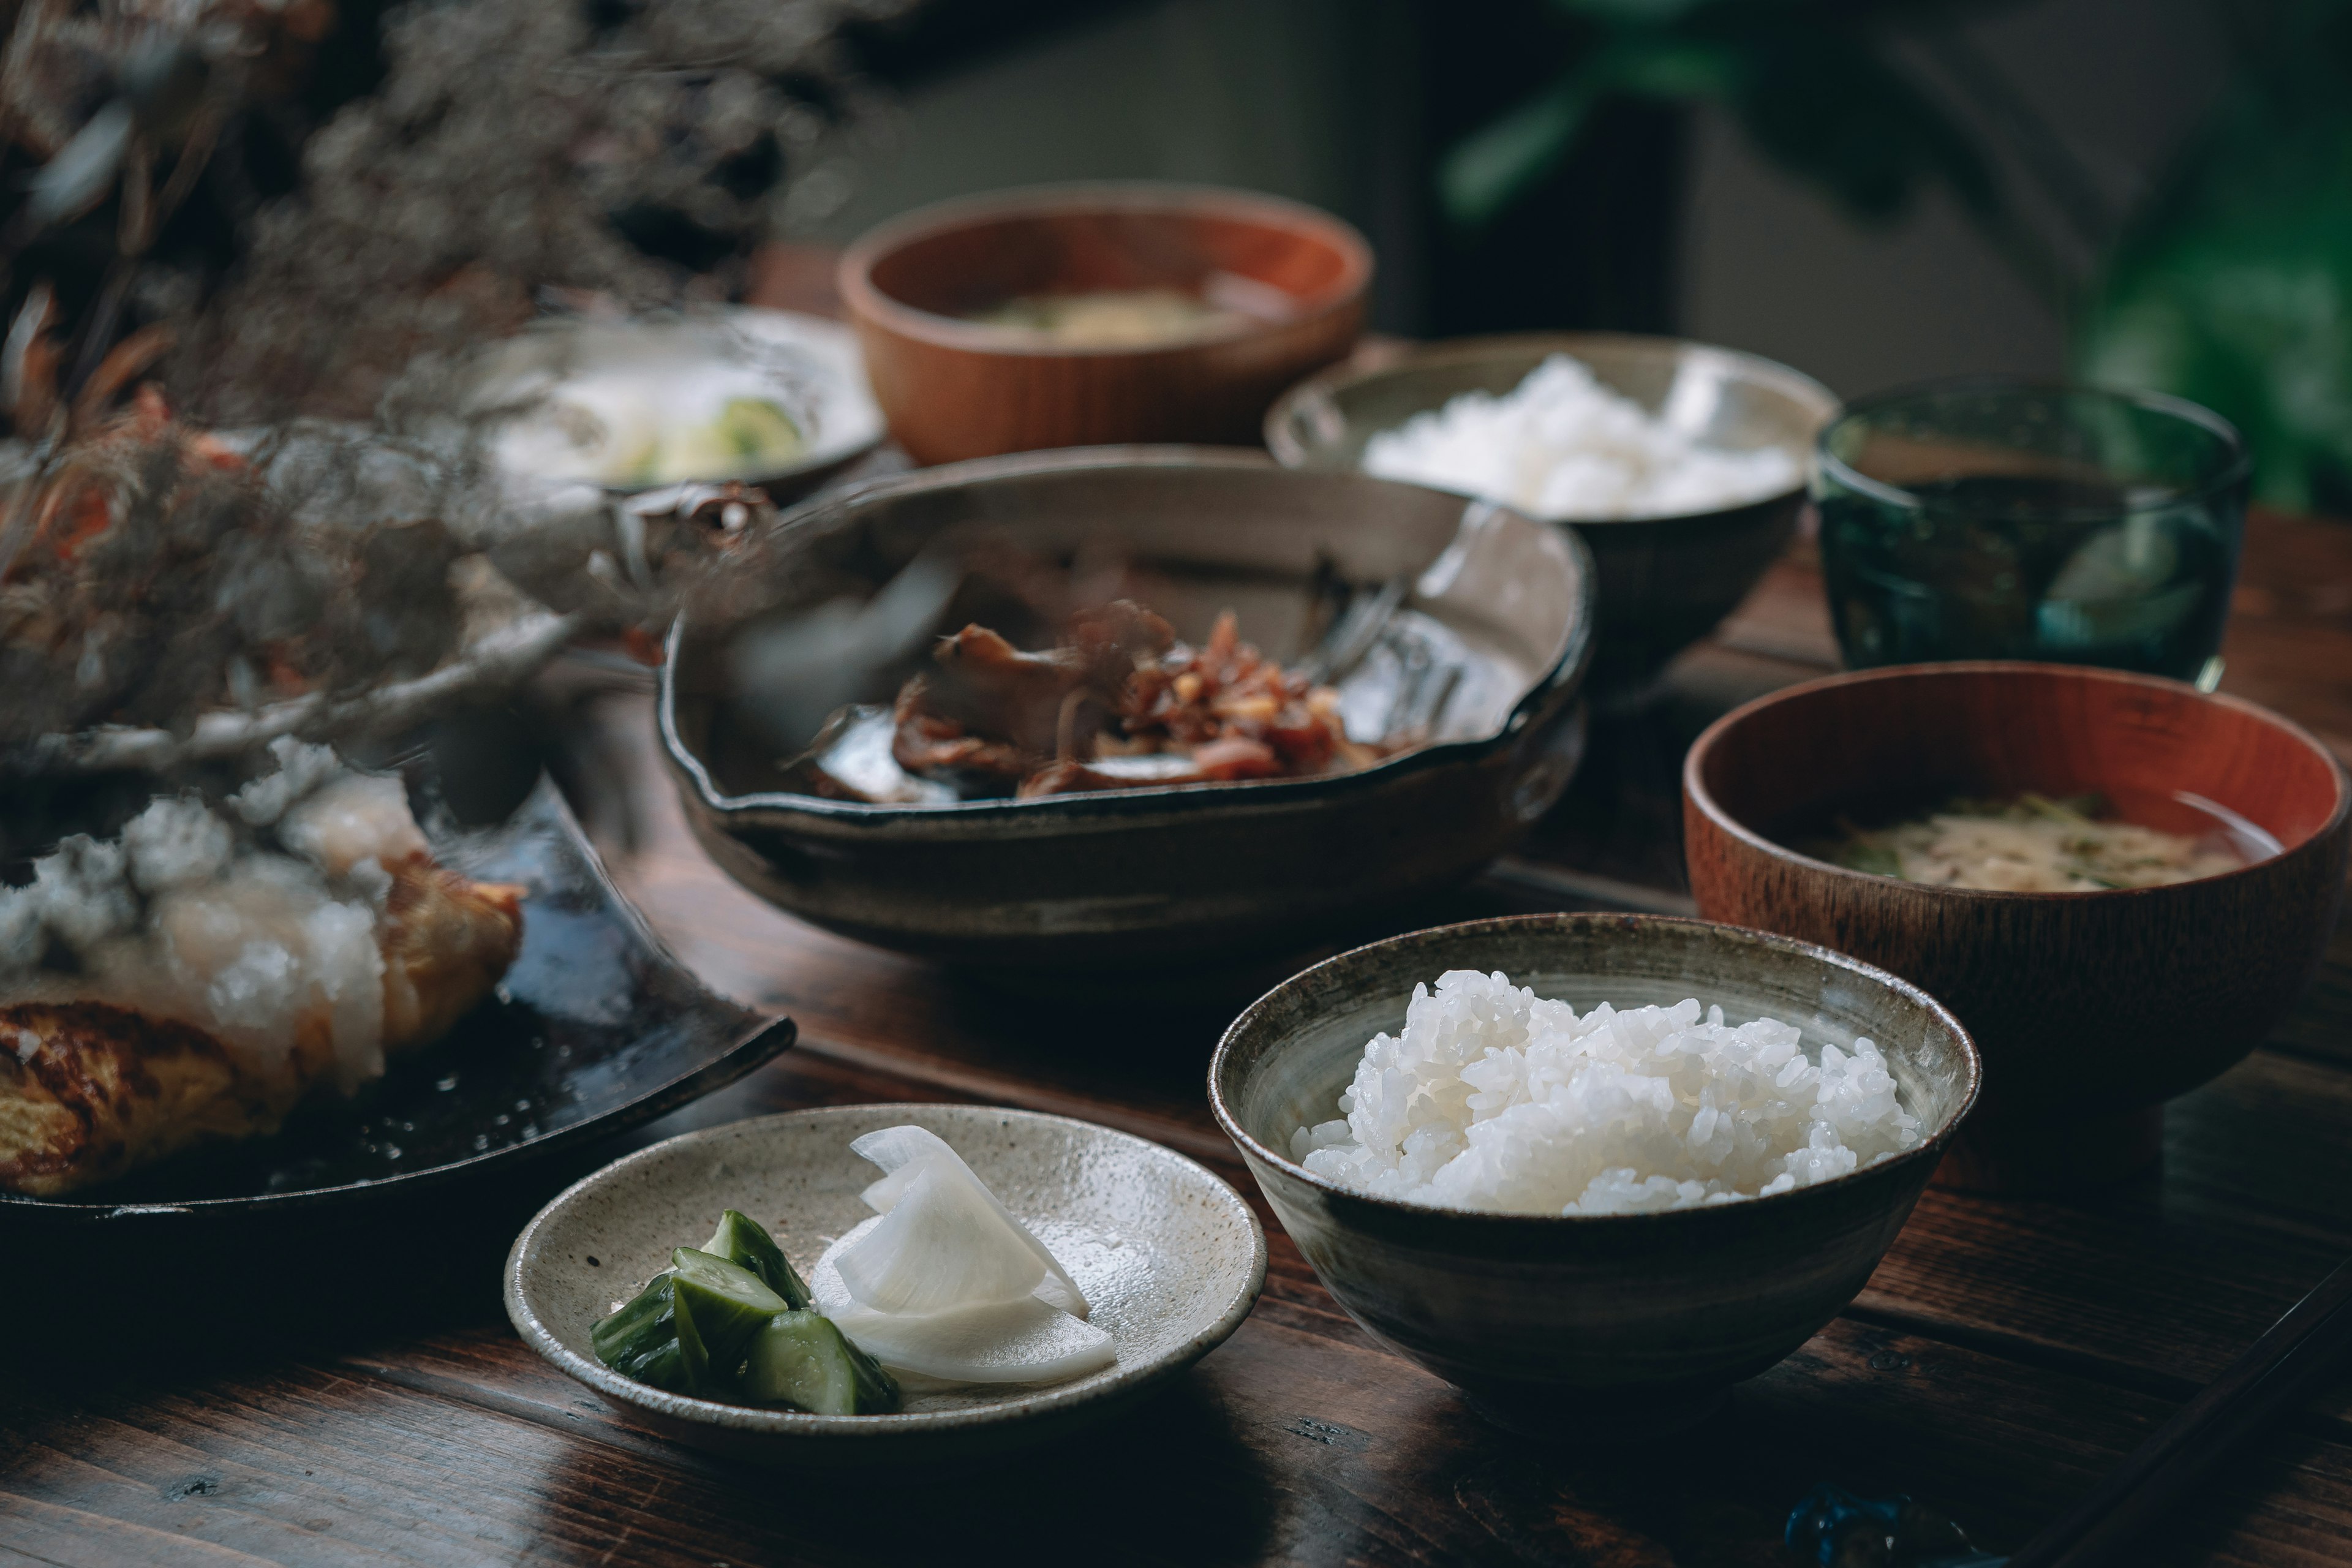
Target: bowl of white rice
[1682,465]
[1593,1169]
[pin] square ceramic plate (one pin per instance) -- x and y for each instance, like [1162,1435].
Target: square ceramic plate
[595,1029]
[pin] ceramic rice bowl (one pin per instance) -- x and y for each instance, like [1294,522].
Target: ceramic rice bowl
[1664,581]
[1599,1326]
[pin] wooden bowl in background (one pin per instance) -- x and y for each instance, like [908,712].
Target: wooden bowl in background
[953,388]
[2090,1009]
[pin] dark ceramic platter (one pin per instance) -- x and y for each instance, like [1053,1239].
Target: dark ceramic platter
[596,1030]
[1112,890]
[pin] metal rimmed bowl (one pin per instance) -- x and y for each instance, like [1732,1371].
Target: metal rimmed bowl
[1596,1326]
[1664,581]
[1170,1256]
[1147,877]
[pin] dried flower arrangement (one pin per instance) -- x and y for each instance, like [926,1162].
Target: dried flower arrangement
[312,544]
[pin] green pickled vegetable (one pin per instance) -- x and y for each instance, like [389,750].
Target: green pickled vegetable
[693,1343]
[724,1304]
[739,1240]
[800,1359]
[730,1321]
[758,430]
[641,1340]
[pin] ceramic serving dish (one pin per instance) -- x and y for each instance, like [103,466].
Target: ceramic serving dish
[1147,877]
[401,1201]
[593,400]
[2091,1009]
[1593,1327]
[1664,581]
[595,1029]
[955,388]
[1169,1258]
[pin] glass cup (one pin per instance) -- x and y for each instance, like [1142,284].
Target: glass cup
[1999,519]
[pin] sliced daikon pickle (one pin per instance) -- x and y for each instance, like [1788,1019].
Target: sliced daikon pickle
[1023,1340]
[944,1241]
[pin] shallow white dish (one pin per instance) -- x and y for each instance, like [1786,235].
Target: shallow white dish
[1170,1256]
[809,366]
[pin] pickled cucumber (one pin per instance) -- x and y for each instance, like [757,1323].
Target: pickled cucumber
[758,431]
[668,1334]
[641,1340]
[800,1359]
[730,1321]
[739,1240]
[692,1348]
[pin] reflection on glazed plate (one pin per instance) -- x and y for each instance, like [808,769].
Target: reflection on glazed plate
[625,403]
[1169,1258]
[595,1029]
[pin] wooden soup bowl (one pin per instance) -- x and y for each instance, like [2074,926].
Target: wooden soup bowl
[2090,1009]
[953,388]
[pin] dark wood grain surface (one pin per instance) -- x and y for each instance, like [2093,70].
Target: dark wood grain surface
[2005,1353]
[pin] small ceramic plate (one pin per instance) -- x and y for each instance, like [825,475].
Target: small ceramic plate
[1170,1256]
[615,392]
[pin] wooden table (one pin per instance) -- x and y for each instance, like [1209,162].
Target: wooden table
[2004,1355]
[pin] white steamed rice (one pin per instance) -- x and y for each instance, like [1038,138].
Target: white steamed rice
[1563,446]
[1496,1099]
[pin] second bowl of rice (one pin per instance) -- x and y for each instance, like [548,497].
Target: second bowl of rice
[1593,1169]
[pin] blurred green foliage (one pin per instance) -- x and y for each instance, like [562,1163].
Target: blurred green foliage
[1815,84]
[2232,286]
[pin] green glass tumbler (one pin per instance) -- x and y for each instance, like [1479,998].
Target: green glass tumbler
[2000,519]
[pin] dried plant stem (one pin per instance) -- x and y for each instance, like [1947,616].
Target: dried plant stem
[503,657]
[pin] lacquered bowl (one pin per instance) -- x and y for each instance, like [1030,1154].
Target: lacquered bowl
[1665,582]
[2091,1009]
[1151,878]
[1599,1326]
[953,388]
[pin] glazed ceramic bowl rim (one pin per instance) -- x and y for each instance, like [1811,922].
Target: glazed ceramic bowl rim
[1171,198]
[838,336]
[1326,386]
[1563,672]
[1032,1402]
[1695,784]
[2232,472]
[1929,1150]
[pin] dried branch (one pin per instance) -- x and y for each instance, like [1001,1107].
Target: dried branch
[502,658]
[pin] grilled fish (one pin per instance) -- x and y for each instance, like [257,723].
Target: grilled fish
[89,1089]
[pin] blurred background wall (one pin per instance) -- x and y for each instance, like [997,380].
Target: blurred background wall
[1664,220]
